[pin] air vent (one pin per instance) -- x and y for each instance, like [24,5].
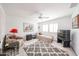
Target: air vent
[73,5]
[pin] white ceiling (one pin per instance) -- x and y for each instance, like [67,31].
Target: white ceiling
[32,10]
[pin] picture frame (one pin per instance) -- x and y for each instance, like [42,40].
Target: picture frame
[75,23]
[27,27]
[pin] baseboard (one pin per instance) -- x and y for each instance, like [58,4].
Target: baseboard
[74,51]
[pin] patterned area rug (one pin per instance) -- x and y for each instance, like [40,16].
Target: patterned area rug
[44,49]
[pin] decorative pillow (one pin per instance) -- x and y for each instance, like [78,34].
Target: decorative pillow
[40,33]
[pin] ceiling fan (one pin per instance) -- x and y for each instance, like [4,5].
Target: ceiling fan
[41,16]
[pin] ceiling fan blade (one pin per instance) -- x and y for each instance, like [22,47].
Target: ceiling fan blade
[40,15]
[43,17]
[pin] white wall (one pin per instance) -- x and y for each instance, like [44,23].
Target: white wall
[14,21]
[63,23]
[75,32]
[75,40]
[75,11]
[2,25]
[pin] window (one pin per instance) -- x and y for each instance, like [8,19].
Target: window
[50,27]
[45,28]
[53,27]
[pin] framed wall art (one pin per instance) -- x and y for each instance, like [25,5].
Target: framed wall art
[27,27]
[75,22]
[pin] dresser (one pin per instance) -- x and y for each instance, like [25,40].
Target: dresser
[63,37]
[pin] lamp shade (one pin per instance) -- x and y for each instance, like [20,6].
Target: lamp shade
[14,30]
